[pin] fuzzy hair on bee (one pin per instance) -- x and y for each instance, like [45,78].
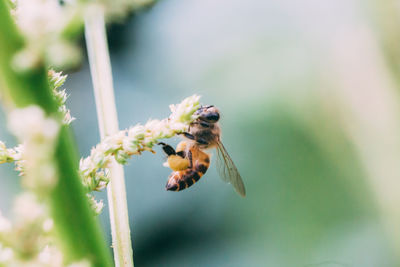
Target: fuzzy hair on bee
[190,162]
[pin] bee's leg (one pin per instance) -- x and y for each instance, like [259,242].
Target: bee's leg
[189,136]
[169,150]
[198,140]
[205,124]
[202,141]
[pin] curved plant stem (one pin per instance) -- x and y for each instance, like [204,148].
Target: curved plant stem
[100,68]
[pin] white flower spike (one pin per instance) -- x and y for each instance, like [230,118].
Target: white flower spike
[135,140]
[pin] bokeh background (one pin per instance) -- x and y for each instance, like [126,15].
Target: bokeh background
[308,92]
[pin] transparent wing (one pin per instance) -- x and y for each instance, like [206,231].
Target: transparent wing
[228,171]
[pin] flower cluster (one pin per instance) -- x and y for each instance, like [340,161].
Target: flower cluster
[9,154]
[56,80]
[50,28]
[28,240]
[133,141]
[45,25]
[38,133]
[26,236]
[96,205]
[41,148]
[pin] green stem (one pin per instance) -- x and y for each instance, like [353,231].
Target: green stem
[79,233]
[100,68]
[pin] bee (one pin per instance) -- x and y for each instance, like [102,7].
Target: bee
[190,162]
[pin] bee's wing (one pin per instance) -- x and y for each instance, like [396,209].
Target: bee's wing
[228,171]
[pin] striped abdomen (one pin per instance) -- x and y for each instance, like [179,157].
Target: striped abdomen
[180,180]
[199,163]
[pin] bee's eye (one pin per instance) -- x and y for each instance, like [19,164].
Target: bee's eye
[211,116]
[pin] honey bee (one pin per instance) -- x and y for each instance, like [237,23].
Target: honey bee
[190,162]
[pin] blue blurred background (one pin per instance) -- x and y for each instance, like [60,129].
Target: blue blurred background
[310,115]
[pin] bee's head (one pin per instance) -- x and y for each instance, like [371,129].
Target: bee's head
[208,114]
